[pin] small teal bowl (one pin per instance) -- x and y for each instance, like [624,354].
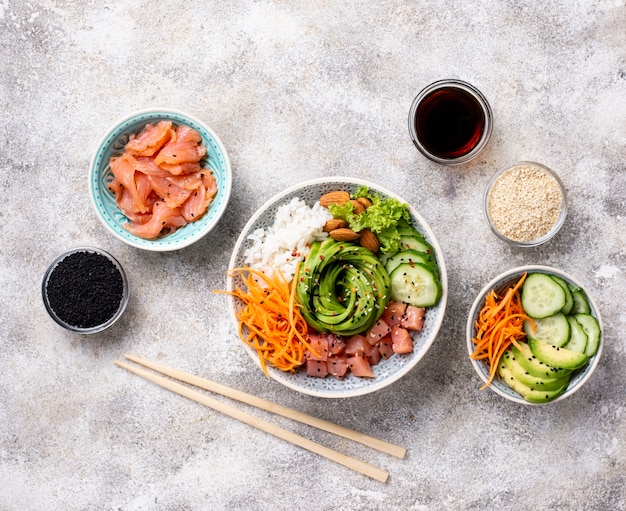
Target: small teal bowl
[100,176]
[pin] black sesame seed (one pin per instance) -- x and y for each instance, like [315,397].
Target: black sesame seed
[85,289]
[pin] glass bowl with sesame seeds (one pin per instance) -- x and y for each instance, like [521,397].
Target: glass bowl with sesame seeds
[525,204]
[85,290]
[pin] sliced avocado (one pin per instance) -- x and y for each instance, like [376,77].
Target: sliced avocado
[533,382]
[557,357]
[529,394]
[532,365]
[343,288]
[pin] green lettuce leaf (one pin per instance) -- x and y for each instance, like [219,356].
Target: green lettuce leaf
[382,218]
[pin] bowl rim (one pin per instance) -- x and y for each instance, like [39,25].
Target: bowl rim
[478,301]
[562,215]
[123,302]
[376,385]
[141,243]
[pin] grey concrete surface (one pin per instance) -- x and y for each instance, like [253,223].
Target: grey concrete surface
[298,90]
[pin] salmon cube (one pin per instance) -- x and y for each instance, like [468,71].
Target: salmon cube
[374,356]
[316,368]
[414,318]
[357,344]
[377,332]
[385,347]
[393,313]
[401,340]
[360,366]
[337,366]
[319,345]
[336,344]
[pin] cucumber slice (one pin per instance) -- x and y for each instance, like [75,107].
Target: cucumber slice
[557,357]
[411,257]
[578,338]
[415,284]
[408,242]
[542,296]
[569,300]
[581,305]
[591,327]
[554,330]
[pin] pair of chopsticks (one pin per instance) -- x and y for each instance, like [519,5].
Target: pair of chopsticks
[348,461]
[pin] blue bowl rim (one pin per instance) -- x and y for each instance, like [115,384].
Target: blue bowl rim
[142,243]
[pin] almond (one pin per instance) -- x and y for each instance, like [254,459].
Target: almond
[365,202]
[358,207]
[369,241]
[337,197]
[334,223]
[344,234]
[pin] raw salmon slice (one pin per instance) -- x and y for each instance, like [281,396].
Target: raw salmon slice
[199,201]
[159,183]
[152,138]
[184,146]
[123,168]
[172,194]
[146,165]
[176,169]
[187,181]
[162,218]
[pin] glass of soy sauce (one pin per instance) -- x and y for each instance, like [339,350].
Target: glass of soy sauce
[450,122]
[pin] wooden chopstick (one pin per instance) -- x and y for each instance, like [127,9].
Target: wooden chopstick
[263,404]
[348,461]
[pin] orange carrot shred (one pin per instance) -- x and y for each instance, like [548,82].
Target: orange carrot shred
[500,323]
[269,320]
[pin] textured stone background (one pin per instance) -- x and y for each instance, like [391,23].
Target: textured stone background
[298,90]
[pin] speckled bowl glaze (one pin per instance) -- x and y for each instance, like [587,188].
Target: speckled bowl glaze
[100,176]
[503,281]
[387,371]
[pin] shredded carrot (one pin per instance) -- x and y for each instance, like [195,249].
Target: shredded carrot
[269,320]
[499,324]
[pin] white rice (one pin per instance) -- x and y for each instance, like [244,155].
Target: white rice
[288,240]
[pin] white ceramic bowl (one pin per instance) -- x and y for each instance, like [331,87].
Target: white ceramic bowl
[502,281]
[387,371]
[100,176]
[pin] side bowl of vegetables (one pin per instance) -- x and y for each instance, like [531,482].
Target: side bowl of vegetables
[387,370]
[534,335]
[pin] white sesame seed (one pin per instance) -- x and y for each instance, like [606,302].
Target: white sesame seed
[524,203]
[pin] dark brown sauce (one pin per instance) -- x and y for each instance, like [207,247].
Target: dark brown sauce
[449,122]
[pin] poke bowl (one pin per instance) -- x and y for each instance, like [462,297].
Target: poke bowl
[263,224]
[545,332]
[128,206]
